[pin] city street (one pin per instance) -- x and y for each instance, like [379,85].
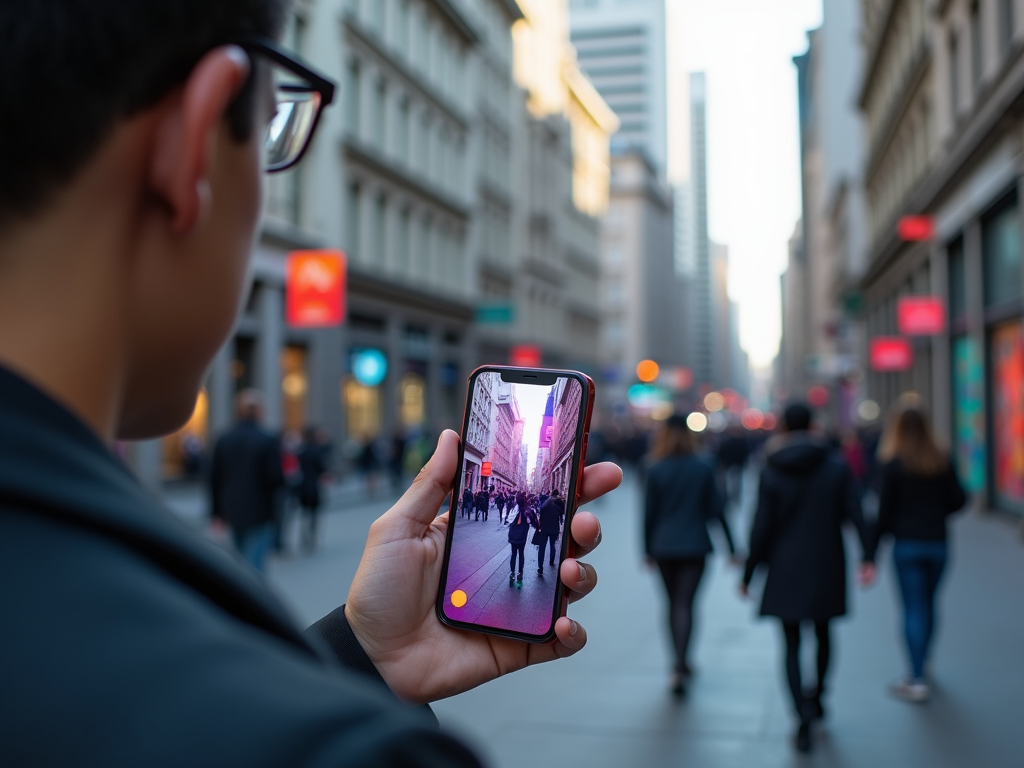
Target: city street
[609,705]
[482,572]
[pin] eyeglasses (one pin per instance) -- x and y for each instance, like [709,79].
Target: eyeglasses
[300,94]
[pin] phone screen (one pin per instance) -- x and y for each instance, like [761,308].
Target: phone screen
[511,503]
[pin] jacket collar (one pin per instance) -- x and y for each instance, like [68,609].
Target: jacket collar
[52,464]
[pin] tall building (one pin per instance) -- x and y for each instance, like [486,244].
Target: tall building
[940,93]
[622,49]
[640,288]
[701,320]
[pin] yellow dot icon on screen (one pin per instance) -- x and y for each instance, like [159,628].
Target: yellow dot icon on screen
[459,598]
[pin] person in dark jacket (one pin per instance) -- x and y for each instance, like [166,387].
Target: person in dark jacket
[130,640]
[483,501]
[467,502]
[681,498]
[518,532]
[246,476]
[806,495]
[550,517]
[919,491]
[314,461]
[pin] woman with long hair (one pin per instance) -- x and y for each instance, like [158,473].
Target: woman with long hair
[919,490]
[681,498]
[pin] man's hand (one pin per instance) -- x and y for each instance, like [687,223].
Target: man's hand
[391,603]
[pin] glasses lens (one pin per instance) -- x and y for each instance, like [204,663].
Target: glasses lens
[291,126]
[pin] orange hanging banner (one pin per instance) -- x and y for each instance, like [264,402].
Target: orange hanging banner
[315,289]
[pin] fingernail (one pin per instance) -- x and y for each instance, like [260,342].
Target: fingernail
[573,627]
[598,539]
[583,571]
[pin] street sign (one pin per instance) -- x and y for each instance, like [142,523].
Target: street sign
[915,228]
[485,469]
[890,353]
[496,314]
[315,289]
[525,356]
[920,315]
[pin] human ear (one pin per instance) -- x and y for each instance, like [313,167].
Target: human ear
[186,134]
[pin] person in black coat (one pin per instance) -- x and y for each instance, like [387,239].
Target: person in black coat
[806,495]
[314,461]
[483,502]
[550,517]
[919,491]
[518,532]
[245,478]
[467,502]
[681,498]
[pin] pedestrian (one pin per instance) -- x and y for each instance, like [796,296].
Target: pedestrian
[518,532]
[500,500]
[369,463]
[396,459]
[733,453]
[314,461]
[245,479]
[853,453]
[549,526]
[680,499]
[919,491]
[806,495]
[467,501]
[483,500]
[128,639]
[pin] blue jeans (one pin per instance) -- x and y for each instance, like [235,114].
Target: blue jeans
[919,567]
[253,543]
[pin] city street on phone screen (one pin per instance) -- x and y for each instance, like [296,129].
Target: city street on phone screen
[518,457]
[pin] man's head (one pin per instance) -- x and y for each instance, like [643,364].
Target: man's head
[797,417]
[130,196]
[249,405]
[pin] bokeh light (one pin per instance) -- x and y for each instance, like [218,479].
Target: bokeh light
[817,396]
[752,418]
[868,410]
[714,402]
[769,422]
[647,371]
[697,421]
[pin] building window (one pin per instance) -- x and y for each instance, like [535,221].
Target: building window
[1001,254]
[403,128]
[402,241]
[355,195]
[954,74]
[402,26]
[424,144]
[380,106]
[976,56]
[427,248]
[352,103]
[379,11]
[1006,20]
[380,229]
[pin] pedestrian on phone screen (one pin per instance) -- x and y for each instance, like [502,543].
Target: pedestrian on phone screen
[130,200]
[681,498]
[920,490]
[806,495]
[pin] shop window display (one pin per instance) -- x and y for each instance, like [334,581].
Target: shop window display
[1007,415]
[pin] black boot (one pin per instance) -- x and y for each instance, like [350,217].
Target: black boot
[803,737]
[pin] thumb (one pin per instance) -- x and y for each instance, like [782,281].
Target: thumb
[422,501]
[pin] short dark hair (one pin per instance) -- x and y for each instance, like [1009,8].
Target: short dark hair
[71,69]
[797,417]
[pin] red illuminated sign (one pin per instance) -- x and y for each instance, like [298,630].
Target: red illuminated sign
[525,356]
[315,289]
[920,315]
[891,353]
[485,469]
[915,228]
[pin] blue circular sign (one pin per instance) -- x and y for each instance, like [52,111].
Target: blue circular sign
[369,367]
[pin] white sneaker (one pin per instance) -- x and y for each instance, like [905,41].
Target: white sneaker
[916,691]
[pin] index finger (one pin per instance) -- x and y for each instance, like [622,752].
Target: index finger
[599,479]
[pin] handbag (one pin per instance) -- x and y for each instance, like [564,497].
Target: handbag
[536,538]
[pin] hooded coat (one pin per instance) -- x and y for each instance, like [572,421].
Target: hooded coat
[806,495]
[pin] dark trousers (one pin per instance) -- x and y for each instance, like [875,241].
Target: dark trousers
[681,577]
[802,703]
[311,513]
[919,567]
[517,549]
[544,539]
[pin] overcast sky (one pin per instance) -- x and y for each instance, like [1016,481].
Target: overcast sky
[745,47]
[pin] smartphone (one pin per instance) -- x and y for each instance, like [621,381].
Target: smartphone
[524,441]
